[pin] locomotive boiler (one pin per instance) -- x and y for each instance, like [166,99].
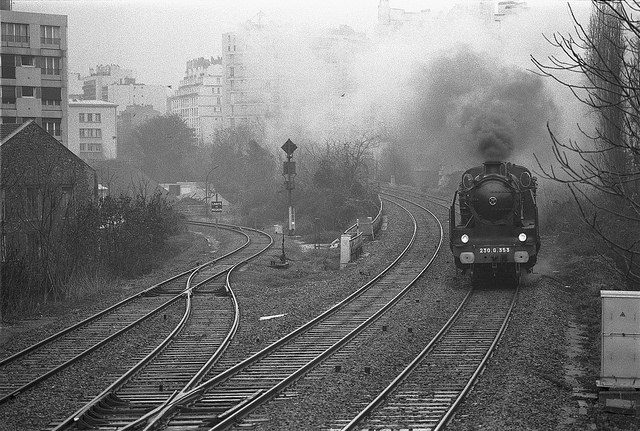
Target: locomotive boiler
[495,233]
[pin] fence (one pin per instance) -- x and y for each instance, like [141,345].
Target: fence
[352,240]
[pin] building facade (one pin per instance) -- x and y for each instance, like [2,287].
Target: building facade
[92,129]
[112,83]
[94,86]
[248,97]
[34,70]
[42,182]
[199,98]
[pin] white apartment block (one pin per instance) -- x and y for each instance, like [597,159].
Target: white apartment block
[33,61]
[132,94]
[114,84]
[92,129]
[247,97]
[199,98]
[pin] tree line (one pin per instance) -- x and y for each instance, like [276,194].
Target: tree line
[113,236]
[600,64]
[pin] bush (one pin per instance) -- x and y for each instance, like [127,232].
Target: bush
[116,236]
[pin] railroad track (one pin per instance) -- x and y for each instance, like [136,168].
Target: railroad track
[209,322]
[426,394]
[428,391]
[40,361]
[238,390]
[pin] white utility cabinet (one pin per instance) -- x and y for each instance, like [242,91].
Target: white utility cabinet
[620,357]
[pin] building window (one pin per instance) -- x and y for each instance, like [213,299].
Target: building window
[97,118]
[28,60]
[15,34]
[66,199]
[51,96]
[28,91]
[52,125]
[231,71]
[89,118]
[8,66]
[32,203]
[81,118]
[50,35]
[9,120]
[8,94]
[90,133]
[82,146]
[49,65]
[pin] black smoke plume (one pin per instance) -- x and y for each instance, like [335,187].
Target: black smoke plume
[466,108]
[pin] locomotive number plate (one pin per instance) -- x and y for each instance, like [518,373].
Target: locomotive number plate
[487,250]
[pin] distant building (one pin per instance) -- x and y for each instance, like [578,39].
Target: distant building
[42,182]
[249,98]
[95,86]
[137,94]
[112,83]
[92,129]
[396,17]
[505,8]
[34,70]
[198,99]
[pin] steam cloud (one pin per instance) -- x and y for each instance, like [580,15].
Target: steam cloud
[451,94]
[467,106]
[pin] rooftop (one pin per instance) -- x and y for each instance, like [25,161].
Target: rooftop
[82,102]
[8,129]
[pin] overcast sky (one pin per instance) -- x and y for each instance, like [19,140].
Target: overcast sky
[155,38]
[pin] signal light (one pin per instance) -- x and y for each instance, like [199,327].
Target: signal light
[464,238]
[522,237]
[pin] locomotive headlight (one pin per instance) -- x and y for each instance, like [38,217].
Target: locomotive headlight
[464,238]
[522,237]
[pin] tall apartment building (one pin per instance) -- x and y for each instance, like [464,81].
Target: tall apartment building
[34,69]
[248,97]
[198,99]
[92,129]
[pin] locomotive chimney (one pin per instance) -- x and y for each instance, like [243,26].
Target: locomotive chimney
[492,167]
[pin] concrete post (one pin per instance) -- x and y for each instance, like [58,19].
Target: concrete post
[345,250]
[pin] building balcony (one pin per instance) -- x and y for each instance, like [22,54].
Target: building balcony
[50,42]
[29,107]
[18,41]
[28,75]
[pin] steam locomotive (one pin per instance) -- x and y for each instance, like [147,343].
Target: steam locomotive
[496,235]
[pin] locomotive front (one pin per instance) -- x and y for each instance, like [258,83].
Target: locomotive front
[497,232]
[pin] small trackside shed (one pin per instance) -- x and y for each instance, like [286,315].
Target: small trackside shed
[41,182]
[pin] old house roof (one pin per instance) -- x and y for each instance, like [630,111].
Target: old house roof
[7,130]
[15,134]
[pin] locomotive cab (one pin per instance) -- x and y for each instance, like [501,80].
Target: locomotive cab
[496,233]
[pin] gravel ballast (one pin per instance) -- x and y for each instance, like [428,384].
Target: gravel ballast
[541,377]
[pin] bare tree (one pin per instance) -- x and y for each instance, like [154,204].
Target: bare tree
[603,171]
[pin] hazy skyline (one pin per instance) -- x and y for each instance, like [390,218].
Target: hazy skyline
[157,38]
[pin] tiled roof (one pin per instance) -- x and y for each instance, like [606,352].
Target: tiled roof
[7,129]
